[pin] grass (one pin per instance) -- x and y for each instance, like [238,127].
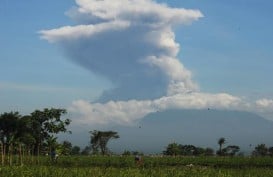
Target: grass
[52,171]
[116,166]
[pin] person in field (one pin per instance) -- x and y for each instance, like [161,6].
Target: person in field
[53,155]
[138,160]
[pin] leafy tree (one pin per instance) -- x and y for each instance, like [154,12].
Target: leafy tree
[172,149]
[99,140]
[231,150]
[50,144]
[24,138]
[187,150]
[15,135]
[66,148]
[199,151]
[260,150]
[9,123]
[209,152]
[25,132]
[46,123]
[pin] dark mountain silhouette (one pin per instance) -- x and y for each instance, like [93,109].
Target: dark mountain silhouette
[198,127]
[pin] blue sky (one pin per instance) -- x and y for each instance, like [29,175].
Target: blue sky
[229,51]
[34,74]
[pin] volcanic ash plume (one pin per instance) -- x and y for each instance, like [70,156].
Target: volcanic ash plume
[129,42]
[132,44]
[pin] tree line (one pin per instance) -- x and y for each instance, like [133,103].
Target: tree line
[191,150]
[36,134]
[30,134]
[175,149]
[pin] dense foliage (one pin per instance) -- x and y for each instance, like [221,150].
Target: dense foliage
[174,149]
[30,134]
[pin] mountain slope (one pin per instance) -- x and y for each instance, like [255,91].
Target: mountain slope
[198,127]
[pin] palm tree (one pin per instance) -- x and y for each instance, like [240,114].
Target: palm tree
[51,143]
[221,141]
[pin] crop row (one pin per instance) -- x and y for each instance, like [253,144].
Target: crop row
[52,171]
[148,162]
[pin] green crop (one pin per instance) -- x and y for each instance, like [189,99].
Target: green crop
[118,166]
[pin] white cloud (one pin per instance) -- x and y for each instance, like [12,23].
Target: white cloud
[179,77]
[109,14]
[81,31]
[120,112]
[198,100]
[139,11]
[264,105]
[164,39]
[127,112]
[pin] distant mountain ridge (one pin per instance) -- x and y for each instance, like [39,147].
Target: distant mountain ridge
[198,127]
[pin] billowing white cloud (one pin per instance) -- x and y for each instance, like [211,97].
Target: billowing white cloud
[264,105]
[127,112]
[146,12]
[178,75]
[119,112]
[81,31]
[129,42]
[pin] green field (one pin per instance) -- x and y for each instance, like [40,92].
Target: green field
[111,166]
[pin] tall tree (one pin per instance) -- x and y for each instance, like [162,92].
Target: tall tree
[100,139]
[25,133]
[9,123]
[24,137]
[47,123]
[221,141]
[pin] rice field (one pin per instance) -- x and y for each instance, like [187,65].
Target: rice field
[124,166]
